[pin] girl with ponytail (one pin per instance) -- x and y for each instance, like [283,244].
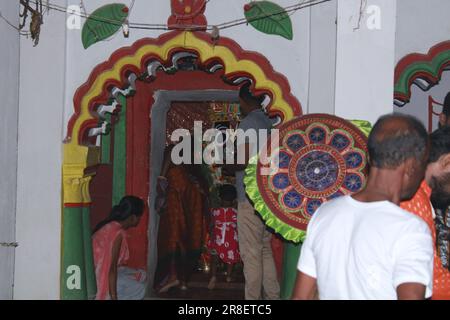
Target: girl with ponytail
[110,244]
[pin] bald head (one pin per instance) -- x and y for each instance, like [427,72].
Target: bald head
[396,138]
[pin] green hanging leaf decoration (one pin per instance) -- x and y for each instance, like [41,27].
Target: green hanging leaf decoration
[103,23]
[269,18]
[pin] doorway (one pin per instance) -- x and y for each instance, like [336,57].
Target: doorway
[169,112]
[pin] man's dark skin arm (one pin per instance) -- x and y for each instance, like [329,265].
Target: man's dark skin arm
[411,291]
[305,287]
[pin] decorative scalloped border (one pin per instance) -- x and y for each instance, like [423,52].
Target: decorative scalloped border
[235,60]
[251,187]
[115,72]
[424,70]
[271,220]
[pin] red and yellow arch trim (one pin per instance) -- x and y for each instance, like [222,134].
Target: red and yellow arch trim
[78,156]
[423,69]
[236,62]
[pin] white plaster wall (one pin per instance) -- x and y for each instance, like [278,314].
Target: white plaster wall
[322,73]
[365,60]
[37,268]
[419,27]
[290,58]
[9,93]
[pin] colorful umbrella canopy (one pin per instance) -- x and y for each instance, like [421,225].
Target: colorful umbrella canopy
[319,157]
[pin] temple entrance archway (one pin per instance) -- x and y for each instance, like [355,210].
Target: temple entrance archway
[112,123]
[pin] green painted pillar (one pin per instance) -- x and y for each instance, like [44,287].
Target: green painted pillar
[120,153]
[73,284]
[76,260]
[290,260]
[91,284]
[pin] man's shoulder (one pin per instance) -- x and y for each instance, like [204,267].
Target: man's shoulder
[335,202]
[328,213]
[256,119]
[334,206]
[409,222]
[346,203]
[415,222]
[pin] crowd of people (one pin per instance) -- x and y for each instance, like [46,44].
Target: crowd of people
[387,248]
[381,243]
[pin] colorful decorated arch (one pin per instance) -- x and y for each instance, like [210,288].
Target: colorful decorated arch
[423,70]
[113,99]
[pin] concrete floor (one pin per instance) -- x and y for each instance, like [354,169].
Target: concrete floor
[198,288]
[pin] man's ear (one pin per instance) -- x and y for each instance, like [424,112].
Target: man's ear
[444,161]
[409,167]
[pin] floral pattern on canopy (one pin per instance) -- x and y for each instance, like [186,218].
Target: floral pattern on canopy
[319,157]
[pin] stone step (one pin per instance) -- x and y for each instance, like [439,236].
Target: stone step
[219,285]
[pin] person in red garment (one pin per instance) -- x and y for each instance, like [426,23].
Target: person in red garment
[181,225]
[223,243]
[436,187]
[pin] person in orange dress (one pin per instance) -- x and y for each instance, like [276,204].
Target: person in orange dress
[435,190]
[181,226]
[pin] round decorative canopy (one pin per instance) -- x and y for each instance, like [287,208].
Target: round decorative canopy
[319,157]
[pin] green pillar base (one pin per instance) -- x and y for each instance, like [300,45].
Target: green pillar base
[91,284]
[290,260]
[73,284]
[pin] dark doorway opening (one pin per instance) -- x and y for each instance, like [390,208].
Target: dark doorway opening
[221,115]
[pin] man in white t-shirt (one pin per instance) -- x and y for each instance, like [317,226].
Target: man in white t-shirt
[365,246]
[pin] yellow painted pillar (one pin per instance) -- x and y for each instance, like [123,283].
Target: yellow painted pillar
[77,269]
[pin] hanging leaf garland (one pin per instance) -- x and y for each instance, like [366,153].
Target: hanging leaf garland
[269,18]
[103,23]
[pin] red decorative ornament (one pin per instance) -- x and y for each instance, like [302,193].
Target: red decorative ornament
[188,13]
[321,157]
